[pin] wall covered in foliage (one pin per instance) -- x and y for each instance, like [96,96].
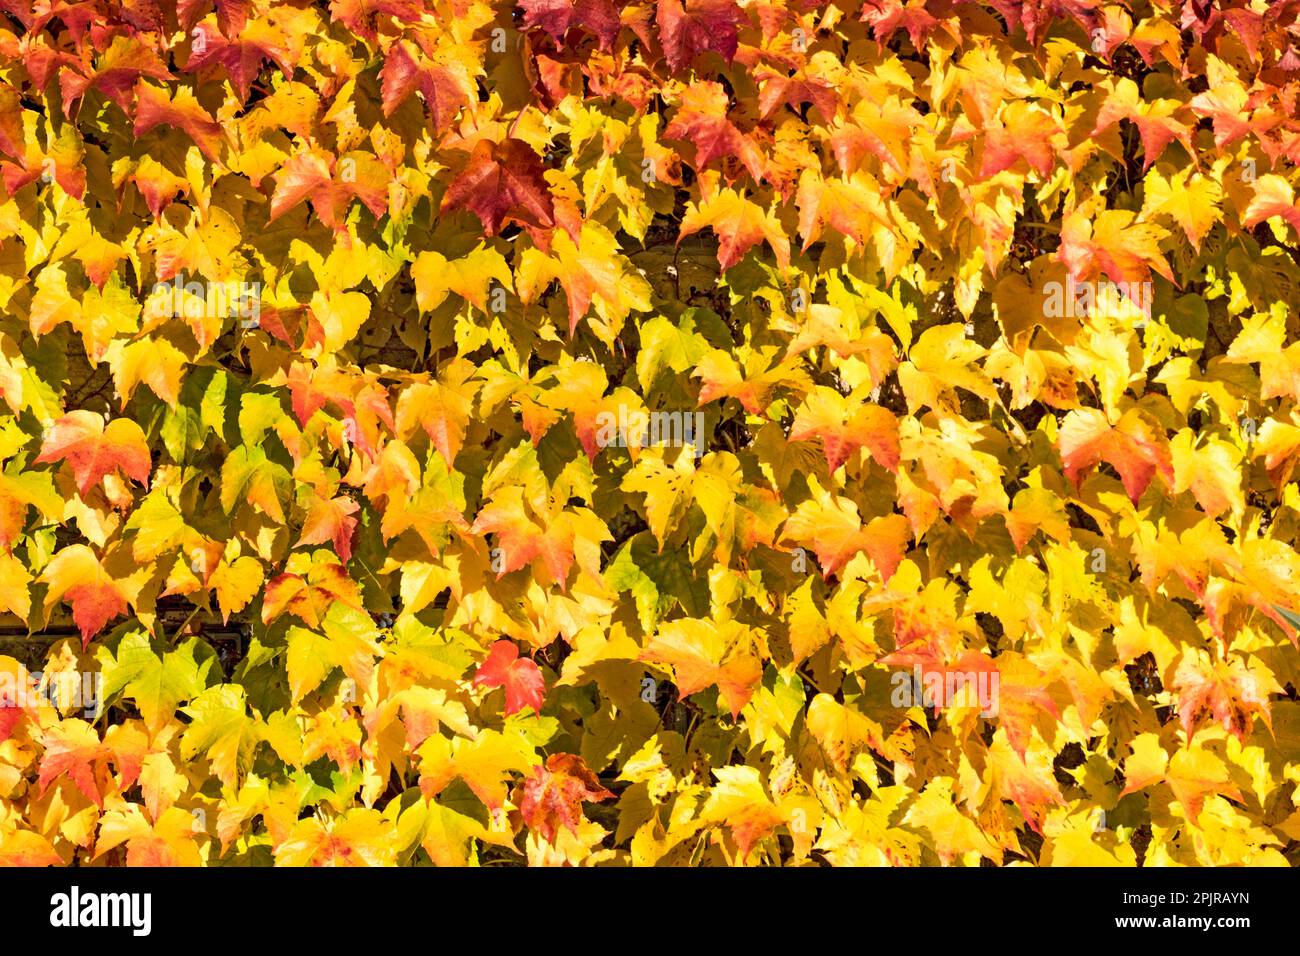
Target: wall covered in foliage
[673,432]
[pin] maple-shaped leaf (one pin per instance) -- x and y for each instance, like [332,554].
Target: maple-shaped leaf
[470,277]
[522,679]
[156,678]
[888,16]
[73,750]
[704,653]
[1231,692]
[330,183]
[1025,778]
[93,451]
[442,408]
[831,527]
[1131,446]
[155,107]
[361,16]
[844,426]
[1211,472]
[126,60]
[1189,198]
[1274,196]
[1020,694]
[752,387]
[170,840]
[1262,339]
[1021,132]
[593,272]
[76,576]
[248,475]
[687,29]
[308,597]
[740,802]
[880,129]
[1115,244]
[804,87]
[1154,120]
[242,56]
[445,83]
[484,763]
[330,521]
[424,710]
[702,119]
[502,181]
[841,731]
[1192,773]
[221,729]
[557,17]
[522,537]
[554,793]
[1229,108]
[739,225]
[63,159]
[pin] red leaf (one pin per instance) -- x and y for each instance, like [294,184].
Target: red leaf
[72,749]
[555,792]
[330,521]
[558,17]
[124,62]
[359,15]
[702,119]
[1087,438]
[153,107]
[331,184]
[241,58]
[446,86]
[93,451]
[688,30]
[522,679]
[503,181]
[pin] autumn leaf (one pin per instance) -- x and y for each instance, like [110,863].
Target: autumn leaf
[93,451]
[330,183]
[702,119]
[553,795]
[502,181]
[558,17]
[1115,245]
[76,576]
[1130,446]
[1229,692]
[845,426]
[73,750]
[522,679]
[835,532]
[330,521]
[688,28]
[25,848]
[521,538]
[444,84]
[740,802]
[360,837]
[703,654]
[740,224]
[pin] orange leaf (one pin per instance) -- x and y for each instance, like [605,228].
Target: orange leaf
[94,451]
